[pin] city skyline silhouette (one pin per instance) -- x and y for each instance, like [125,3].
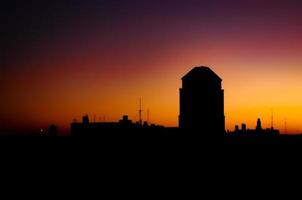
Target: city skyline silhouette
[65,59]
[201,111]
[122,91]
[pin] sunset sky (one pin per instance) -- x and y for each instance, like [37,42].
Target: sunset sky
[65,58]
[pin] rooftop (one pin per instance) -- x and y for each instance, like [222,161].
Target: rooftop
[202,72]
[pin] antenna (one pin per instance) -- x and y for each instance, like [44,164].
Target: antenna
[148,112]
[140,112]
[285,126]
[272,119]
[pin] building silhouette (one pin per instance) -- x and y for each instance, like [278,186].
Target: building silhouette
[202,101]
[258,131]
[259,126]
[52,131]
[86,127]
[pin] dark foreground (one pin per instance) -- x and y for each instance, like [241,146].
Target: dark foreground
[149,141]
[159,158]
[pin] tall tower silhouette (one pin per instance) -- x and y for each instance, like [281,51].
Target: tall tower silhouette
[202,101]
[259,126]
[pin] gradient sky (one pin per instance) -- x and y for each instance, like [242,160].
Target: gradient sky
[65,58]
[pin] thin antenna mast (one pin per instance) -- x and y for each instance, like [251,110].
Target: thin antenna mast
[140,112]
[148,112]
[272,119]
[285,126]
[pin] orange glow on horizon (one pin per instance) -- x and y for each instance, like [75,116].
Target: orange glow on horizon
[247,96]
